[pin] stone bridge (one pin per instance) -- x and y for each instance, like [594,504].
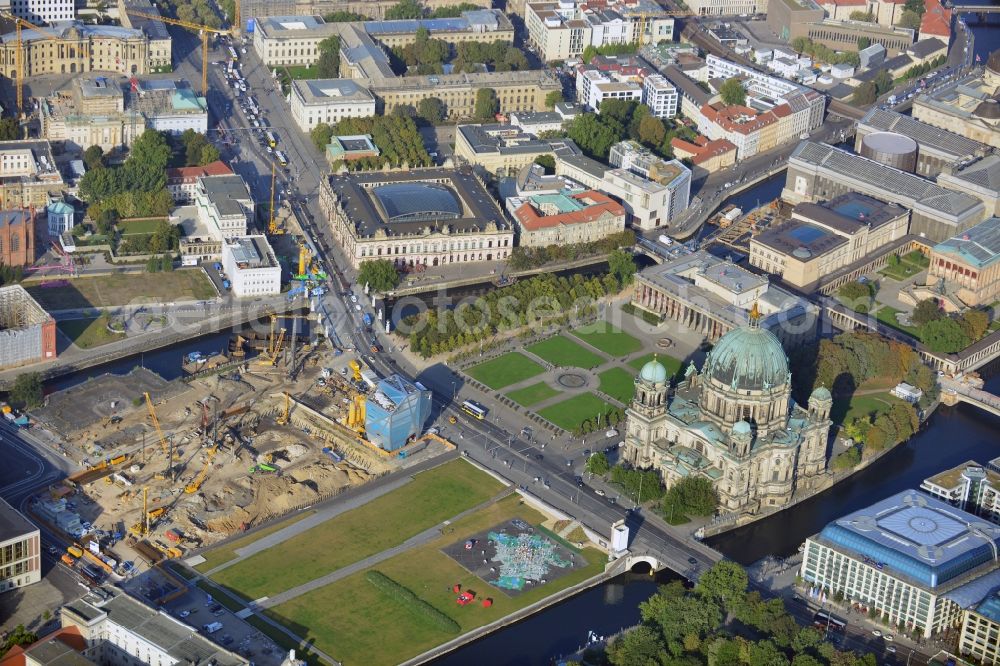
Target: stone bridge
[953,392]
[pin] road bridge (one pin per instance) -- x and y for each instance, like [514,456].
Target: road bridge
[953,391]
[972,9]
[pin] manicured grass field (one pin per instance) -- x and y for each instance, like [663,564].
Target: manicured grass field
[432,497]
[674,366]
[227,551]
[618,383]
[89,333]
[887,315]
[608,339]
[140,227]
[121,289]
[357,624]
[844,411]
[569,414]
[563,352]
[532,395]
[298,72]
[505,370]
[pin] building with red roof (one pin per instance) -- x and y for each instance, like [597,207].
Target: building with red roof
[936,21]
[565,218]
[182,181]
[709,154]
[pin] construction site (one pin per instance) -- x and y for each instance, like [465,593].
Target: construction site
[27,332]
[278,422]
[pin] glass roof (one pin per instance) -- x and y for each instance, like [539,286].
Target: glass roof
[411,202]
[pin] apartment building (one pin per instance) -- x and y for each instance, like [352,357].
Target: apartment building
[28,174]
[43,11]
[660,96]
[565,218]
[20,549]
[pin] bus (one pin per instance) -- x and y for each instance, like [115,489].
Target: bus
[280,156]
[473,409]
[823,620]
[233,54]
[272,139]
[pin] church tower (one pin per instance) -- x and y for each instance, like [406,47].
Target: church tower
[646,414]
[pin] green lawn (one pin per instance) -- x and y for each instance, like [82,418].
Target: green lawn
[533,394]
[900,272]
[89,333]
[505,370]
[298,72]
[357,624]
[563,352]
[844,411]
[674,366]
[608,339]
[140,227]
[618,383]
[227,551]
[120,289]
[432,497]
[569,414]
[887,315]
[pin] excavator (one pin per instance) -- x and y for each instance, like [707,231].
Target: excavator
[195,484]
[283,419]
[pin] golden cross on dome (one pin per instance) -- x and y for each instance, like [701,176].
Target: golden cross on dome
[754,314]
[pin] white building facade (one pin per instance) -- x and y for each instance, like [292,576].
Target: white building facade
[43,11]
[660,96]
[251,266]
[329,101]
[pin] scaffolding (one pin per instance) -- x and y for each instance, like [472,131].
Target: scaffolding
[22,321]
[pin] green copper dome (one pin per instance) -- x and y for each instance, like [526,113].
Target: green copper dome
[821,393]
[748,359]
[653,372]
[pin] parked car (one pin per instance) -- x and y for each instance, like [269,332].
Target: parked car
[599,492]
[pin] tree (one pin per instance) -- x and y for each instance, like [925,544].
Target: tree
[733,92]
[321,135]
[916,6]
[106,221]
[640,647]
[883,81]
[9,130]
[865,94]
[378,274]
[553,98]
[621,264]
[487,104]
[27,390]
[431,109]
[20,636]
[328,63]
[690,495]
[209,154]
[926,311]
[93,157]
[909,20]
[548,162]
[405,9]
[679,616]
[860,15]
[651,130]
[725,583]
[974,323]
[944,335]
[766,653]
[863,43]
[593,136]
[598,464]
[453,11]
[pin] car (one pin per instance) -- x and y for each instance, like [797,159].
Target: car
[610,449]
[539,456]
[357,306]
[219,613]
[569,463]
[184,613]
[891,649]
[375,349]
[354,299]
[546,483]
[692,561]
[611,433]
[876,633]
[599,492]
[889,637]
[53,551]
[586,453]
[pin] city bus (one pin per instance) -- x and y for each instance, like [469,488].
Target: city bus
[280,156]
[823,620]
[272,139]
[473,409]
[232,54]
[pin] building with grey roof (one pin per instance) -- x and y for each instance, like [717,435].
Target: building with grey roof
[937,148]
[911,558]
[225,205]
[19,541]
[969,263]
[84,47]
[978,177]
[966,106]
[505,149]
[155,30]
[425,217]
[315,101]
[692,95]
[818,172]
[120,629]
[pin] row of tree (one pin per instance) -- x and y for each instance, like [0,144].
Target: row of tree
[612,416]
[523,258]
[395,135]
[195,149]
[917,71]
[161,264]
[625,119]
[535,301]
[193,11]
[876,432]
[702,627]
[822,53]
[328,62]
[165,238]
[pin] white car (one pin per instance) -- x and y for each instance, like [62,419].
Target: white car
[889,637]
[600,492]
[184,613]
[357,306]
[354,299]
[876,633]
[611,434]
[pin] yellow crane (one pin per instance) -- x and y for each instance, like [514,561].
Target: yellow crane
[195,484]
[203,30]
[272,225]
[156,424]
[283,419]
[20,23]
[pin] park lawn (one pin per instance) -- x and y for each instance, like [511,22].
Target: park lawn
[844,411]
[610,340]
[562,352]
[298,72]
[900,272]
[569,414]
[89,333]
[227,551]
[430,498]
[356,623]
[887,315]
[618,383]
[532,395]
[673,365]
[122,289]
[140,227]
[505,370]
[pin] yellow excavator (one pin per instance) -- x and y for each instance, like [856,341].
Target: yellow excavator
[283,419]
[195,484]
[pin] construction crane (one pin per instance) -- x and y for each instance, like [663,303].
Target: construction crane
[272,225]
[156,425]
[283,419]
[195,484]
[203,30]
[19,64]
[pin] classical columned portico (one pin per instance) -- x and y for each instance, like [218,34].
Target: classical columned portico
[671,307]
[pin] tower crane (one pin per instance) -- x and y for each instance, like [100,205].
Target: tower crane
[202,30]
[19,57]
[272,225]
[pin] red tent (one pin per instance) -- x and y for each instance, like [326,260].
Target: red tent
[487,603]
[456,588]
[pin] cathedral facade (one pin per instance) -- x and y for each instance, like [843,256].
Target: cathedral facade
[734,423]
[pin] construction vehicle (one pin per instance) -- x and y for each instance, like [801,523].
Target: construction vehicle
[283,419]
[356,413]
[195,484]
[75,550]
[67,560]
[263,468]
[355,370]
[272,225]
[202,30]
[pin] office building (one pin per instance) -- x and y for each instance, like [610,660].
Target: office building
[119,629]
[81,48]
[395,412]
[182,182]
[818,172]
[20,545]
[565,218]
[582,169]
[315,101]
[937,148]
[843,35]
[290,40]
[968,264]
[610,77]
[426,217]
[692,96]
[911,559]
[971,487]
[251,266]
[734,424]
[225,205]
[728,7]
[660,96]
[42,11]
[783,15]
[713,296]
[820,239]
[478,25]
[505,149]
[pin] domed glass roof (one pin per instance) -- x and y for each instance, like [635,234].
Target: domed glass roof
[412,202]
[748,359]
[653,372]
